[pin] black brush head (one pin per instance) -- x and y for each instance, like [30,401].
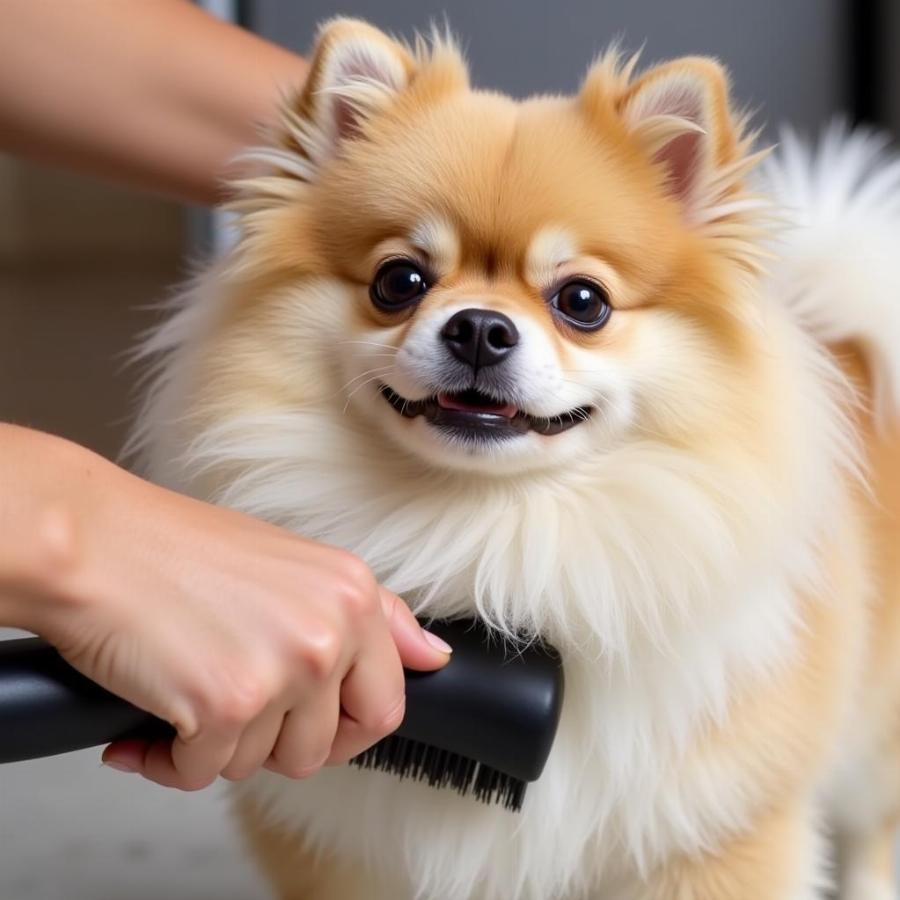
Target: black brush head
[484,724]
[442,769]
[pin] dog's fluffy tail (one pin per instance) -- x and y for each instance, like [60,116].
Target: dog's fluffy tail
[838,259]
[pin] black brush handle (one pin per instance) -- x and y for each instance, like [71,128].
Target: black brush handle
[489,703]
[47,707]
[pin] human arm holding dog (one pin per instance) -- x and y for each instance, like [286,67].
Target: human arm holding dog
[262,648]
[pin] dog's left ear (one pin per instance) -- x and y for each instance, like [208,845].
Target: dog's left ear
[680,116]
[356,71]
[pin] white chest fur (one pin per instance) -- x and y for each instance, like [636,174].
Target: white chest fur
[614,794]
[663,577]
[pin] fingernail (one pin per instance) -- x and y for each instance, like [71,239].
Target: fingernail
[119,766]
[436,642]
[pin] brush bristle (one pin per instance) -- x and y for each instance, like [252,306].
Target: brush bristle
[443,769]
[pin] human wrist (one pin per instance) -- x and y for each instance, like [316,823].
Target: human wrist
[43,516]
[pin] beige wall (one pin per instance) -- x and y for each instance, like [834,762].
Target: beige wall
[78,261]
[48,215]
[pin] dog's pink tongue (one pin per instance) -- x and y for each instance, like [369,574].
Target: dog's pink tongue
[448,401]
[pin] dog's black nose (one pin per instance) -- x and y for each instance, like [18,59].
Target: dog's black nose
[480,337]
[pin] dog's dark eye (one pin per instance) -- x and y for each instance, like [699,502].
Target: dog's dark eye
[398,283]
[583,304]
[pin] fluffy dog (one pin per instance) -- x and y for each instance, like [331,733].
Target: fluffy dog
[569,365]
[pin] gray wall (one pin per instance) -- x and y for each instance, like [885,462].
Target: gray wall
[891,63]
[788,57]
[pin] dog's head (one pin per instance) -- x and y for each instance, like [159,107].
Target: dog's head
[516,355]
[500,285]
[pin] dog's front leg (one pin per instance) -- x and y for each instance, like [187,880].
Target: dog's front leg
[779,858]
[298,873]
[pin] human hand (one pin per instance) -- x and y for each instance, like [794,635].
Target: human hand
[260,647]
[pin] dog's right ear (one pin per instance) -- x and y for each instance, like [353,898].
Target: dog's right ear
[679,114]
[356,71]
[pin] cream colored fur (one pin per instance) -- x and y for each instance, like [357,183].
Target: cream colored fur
[696,553]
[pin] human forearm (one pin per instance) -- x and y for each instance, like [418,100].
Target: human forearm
[155,93]
[37,537]
[262,648]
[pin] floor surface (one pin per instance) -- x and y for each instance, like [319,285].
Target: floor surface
[71,829]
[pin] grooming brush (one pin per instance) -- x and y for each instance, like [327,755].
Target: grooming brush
[482,725]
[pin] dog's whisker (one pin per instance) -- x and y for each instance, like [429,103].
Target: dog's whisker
[356,389]
[378,370]
[371,344]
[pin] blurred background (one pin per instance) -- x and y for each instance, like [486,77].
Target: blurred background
[82,263]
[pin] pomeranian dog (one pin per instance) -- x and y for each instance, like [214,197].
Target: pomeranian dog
[574,366]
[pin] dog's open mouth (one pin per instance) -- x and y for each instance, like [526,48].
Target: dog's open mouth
[472,414]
